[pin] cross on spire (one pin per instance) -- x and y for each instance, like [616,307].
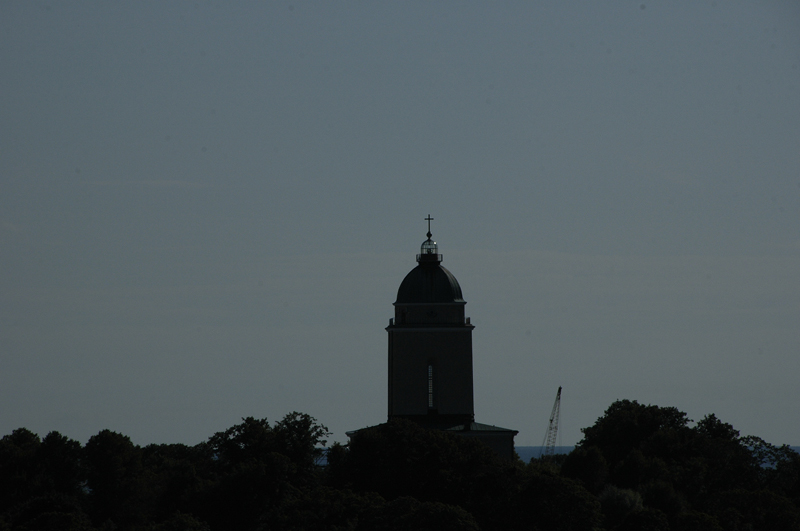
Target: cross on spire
[429,219]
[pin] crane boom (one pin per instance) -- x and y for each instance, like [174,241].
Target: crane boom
[549,443]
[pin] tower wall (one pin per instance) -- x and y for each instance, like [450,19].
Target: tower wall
[448,351]
[429,314]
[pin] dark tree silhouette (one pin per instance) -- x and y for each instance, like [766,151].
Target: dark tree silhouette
[19,467]
[706,475]
[114,479]
[638,467]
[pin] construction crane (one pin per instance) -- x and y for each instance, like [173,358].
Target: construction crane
[549,442]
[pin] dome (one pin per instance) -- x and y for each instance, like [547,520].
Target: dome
[428,283]
[428,247]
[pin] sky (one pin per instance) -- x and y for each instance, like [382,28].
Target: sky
[206,209]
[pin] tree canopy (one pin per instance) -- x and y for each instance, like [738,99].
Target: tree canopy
[705,476]
[638,467]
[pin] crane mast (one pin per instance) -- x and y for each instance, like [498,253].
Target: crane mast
[549,443]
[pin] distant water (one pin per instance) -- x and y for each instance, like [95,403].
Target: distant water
[527,452]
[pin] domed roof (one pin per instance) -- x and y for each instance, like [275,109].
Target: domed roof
[428,283]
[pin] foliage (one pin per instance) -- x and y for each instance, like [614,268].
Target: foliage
[701,477]
[400,459]
[587,465]
[406,513]
[19,467]
[257,468]
[638,467]
[114,478]
[618,504]
[547,501]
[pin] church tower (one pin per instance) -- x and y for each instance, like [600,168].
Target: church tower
[430,355]
[430,345]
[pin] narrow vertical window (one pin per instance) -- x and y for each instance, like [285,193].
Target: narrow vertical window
[430,386]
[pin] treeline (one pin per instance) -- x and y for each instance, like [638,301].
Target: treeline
[638,468]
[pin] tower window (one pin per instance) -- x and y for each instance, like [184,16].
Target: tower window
[430,386]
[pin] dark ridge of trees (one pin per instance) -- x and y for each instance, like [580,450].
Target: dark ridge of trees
[651,470]
[639,467]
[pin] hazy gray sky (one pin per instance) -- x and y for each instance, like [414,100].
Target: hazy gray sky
[206,208]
